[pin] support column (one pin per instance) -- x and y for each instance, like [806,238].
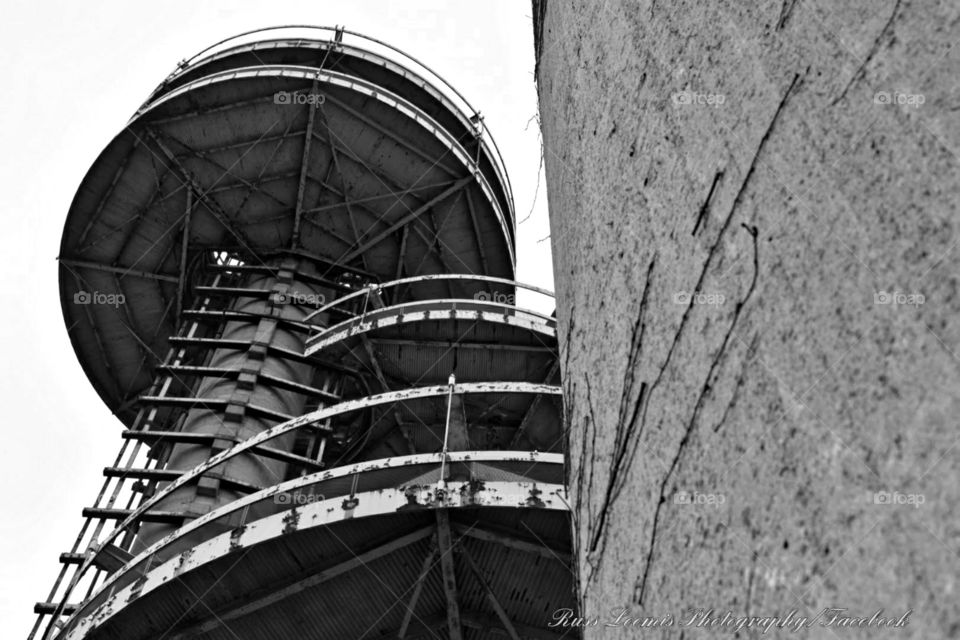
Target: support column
[289,299]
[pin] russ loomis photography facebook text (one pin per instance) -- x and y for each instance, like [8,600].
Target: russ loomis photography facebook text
[713,621]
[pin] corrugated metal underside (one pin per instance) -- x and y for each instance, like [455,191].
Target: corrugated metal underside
[426,352]
[351,61]
[369,601]
[245,163]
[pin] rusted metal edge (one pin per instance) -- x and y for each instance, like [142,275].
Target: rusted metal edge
[307,420]
[324,514]
[400,314]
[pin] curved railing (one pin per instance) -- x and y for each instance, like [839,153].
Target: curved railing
[413,280]
[376,92]
[305,420]
[426,310]
[358,480]
[321,510]
[336,37]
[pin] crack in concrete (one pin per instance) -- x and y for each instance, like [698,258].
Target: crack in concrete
[785,12]
[624,428]
[874,48]
[642,403]
[593,441]
[751,350]
[701,401]
[753,231]
[705,207]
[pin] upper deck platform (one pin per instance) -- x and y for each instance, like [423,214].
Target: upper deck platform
[341,149]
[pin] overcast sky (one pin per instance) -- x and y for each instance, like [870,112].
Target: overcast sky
[73,75]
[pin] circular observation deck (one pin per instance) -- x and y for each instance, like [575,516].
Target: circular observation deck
[386,465]
[428,479]
[362,551]
[337,148]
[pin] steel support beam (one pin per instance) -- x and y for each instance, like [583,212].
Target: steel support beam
[539,548]
[343,186]
[304,164]
[492,597]
[211,204]
[110,189]
[428,562]
[278,592]
[411,216]
[478,621]
[386,131]
[532,409]
[476,232]
[383,196]
[445,545]
[121,271]
[487,623]
[184,245]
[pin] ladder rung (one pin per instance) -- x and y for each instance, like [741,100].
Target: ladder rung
[111,558]
[72,558]
[48,608]
[233,291]
[212,343]
[213,404]
[153,437]
[208,438]
[168,517]
[169,475]
[240,345]
[232,374]
[249,317]
[305,277]
[141,474]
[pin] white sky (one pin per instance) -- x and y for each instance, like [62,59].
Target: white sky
[73,73]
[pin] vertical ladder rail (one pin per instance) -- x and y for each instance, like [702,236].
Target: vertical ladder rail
[77,576]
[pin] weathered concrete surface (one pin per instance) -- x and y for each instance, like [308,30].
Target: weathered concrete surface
[802,200]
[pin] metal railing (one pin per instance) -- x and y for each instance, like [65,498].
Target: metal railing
[387,50]
[507,220]
[305,421]
[483,469]
[373,292]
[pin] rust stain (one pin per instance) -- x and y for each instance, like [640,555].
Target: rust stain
[291,521]
[235,536]
[534,499]
[184,558]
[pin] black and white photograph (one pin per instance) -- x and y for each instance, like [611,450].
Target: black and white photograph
[521,320]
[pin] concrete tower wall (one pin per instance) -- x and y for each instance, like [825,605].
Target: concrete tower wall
[754,229]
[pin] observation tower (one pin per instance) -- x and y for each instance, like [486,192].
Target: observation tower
[291,277]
